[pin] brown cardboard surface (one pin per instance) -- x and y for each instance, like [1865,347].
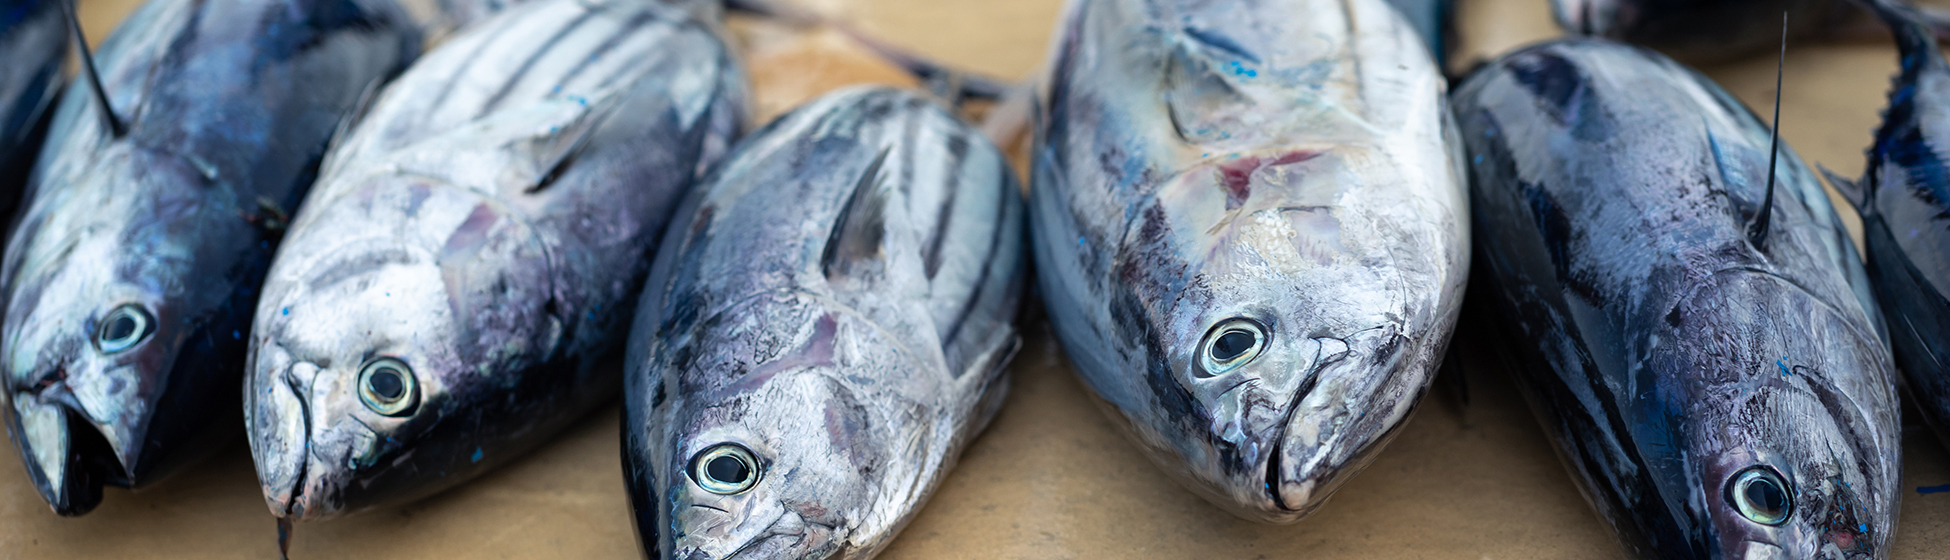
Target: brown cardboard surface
[1051,478]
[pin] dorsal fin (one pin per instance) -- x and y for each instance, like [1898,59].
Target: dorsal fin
[1757,231]
[857,231]
[114,122]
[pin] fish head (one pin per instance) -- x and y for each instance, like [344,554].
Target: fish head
[1285,340]
[385,323]
[97,320]
[789,456]
[1787,427]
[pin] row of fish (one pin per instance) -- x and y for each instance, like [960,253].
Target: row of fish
[1253,242]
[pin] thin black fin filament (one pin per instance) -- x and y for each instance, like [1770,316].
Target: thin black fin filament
[109,118]
[1757,231]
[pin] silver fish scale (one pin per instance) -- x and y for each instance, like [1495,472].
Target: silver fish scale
[488,222]
[1301,173]
[838,300]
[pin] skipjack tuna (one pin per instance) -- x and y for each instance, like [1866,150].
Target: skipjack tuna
[824,331]
[1261,272]
[1904,201]
[475,248]
[34,42]
[1698,339]
[151,218]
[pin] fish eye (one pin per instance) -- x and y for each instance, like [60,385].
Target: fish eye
[388,387]
[1760,495]
[123,328]
[1231,344]
[725,469]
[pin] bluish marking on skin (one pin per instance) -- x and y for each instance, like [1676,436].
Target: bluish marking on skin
[477,455]
[1784,368]
[236,335]
[285,311]
[1241,70]
[1932,489]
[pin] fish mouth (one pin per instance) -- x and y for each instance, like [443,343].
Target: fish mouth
[280,441]
[1321,444]
[68,457]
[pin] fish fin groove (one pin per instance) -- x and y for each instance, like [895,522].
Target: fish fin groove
[116,126]
[1851,190]
[1757,231]
[861,225]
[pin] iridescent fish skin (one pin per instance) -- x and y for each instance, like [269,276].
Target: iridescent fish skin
[835,307]
[34,42]
[1904,202]
[1714,375]
[483,230]
[136,260]
[1293,184]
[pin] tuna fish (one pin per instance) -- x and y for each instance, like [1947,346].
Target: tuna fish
[1695,335]
[34,42]
[474,250]
[1250,231]
[1904,201]
[824,331]
[150,220]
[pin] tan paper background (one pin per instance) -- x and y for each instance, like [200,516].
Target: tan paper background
[1050,479]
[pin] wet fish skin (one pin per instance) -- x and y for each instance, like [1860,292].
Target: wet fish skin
[1302,175]
[1700,31]
[488,223]
[228,106]
[34,41]
[1664,348]
[838,300]
[1904,190]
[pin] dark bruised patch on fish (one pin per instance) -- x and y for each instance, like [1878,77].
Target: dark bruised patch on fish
[858,230]
[1236,176]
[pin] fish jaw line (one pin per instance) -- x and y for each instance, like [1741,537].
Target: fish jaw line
[280,433]
[1350,410]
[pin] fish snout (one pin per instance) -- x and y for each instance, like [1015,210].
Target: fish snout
[1354,403]
[66,457]
[279,430]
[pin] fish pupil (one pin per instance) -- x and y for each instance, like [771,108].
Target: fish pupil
[1767,496]
[1231,344]
[120,328]
[386,383]
[727,469]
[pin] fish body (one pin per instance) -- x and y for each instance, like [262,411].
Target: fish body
[132,269]
[1713,374]
[1904,202]
[824,330]
[1697,30]
[1252,240]
[34,41]
[474,248]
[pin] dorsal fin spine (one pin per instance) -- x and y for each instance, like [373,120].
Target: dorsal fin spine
[114,122]
[1757,232]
